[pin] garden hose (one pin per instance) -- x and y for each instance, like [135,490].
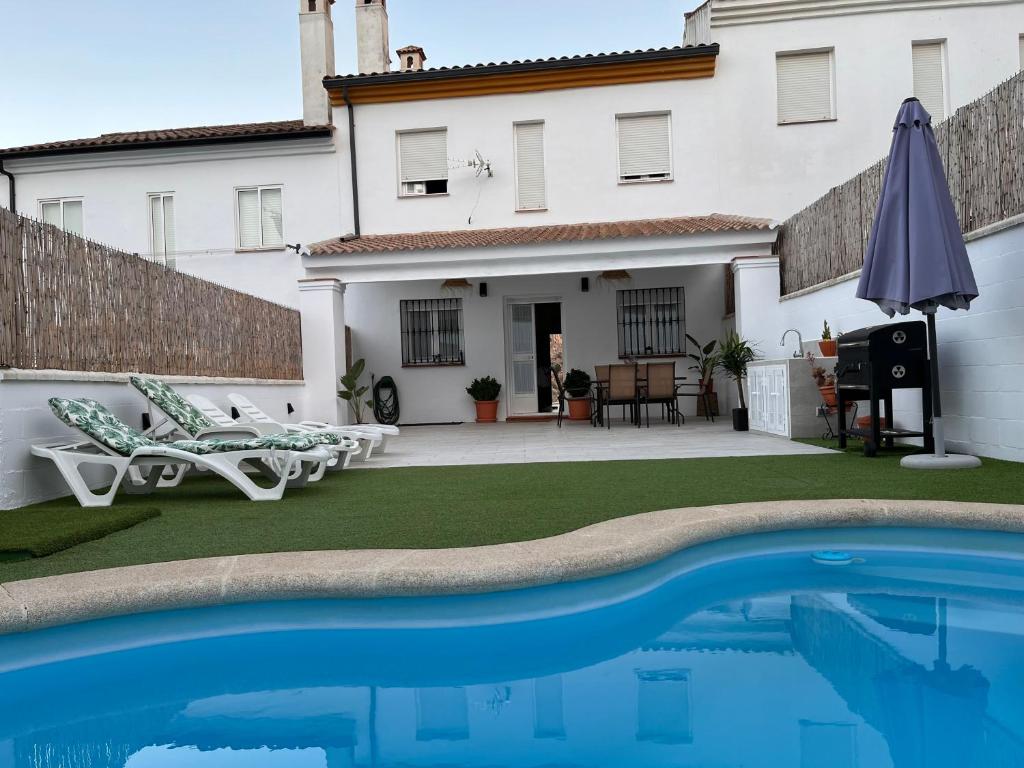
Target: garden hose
[385,400]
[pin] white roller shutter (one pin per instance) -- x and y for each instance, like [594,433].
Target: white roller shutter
[644,146]
[423,155]
[271,217]
[530,188]
[248,218]
[804,84]
[929,85]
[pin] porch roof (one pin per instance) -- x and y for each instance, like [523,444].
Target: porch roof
[553,233]
[559,248]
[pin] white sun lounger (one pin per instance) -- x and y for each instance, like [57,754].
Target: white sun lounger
[210,410]
[253,412]
[333,449]
[111,443]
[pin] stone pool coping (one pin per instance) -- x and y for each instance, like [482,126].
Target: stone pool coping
[601,549]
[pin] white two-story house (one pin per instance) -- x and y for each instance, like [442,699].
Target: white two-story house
[479,220]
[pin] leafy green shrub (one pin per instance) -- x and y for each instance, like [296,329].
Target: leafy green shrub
[577,383]
[353,393]
[485,389]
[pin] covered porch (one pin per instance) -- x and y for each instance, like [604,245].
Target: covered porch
[434,311]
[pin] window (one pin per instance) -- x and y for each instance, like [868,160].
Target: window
[1020,45]
[805,86]
[260,218]
[645,147]
[432,332]
[663,707]
[929,77]
[530,190]
[651,322]
[161,227]
[65,213]
[423,162]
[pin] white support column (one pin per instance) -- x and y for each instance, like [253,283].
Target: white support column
[757,300]
[322,305]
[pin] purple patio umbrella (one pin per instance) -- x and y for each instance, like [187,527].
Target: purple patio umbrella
[916,258]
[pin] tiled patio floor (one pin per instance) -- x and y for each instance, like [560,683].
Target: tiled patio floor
[532,442]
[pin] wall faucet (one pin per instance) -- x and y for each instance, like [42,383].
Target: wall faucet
[799,340]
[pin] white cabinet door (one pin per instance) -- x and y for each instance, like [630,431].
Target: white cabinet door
[769,399]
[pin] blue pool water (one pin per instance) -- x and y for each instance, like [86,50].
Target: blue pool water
[907,651]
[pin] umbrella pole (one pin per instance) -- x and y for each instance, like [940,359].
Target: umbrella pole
[938,433]
[939,459]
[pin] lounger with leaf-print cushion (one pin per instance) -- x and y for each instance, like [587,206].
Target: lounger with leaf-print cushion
[377,434]
[192,422]
[366,440]
[112,443]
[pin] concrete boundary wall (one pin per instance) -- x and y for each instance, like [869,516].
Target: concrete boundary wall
[25,418]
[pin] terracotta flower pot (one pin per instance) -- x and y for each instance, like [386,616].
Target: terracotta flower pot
[579,409]
[486,411]
[864,422]
[828,395]
[827,347]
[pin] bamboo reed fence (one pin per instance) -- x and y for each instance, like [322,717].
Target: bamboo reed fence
[68,303]
[982,148]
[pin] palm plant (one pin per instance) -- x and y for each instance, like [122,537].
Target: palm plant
[353,393]
[735,354]
[706,359]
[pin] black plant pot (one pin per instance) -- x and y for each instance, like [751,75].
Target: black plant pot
[739,420]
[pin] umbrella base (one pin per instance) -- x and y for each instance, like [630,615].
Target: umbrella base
[949,461]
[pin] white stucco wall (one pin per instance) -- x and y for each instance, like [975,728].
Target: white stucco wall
[981,351]
[25,418]
[777,169]
[114,188]
[730,155]
[588,329]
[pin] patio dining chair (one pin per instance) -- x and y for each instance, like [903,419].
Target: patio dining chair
[598,394]
[623,389]
[661,390]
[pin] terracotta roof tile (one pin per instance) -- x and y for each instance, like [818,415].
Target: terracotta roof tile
[197,135]
[555,233]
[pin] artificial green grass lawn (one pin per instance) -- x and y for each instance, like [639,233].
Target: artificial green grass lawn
[39,531]
[426,507]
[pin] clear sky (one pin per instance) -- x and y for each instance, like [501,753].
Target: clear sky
[79,68]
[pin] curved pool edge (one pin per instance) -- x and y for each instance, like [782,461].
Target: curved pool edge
[605,548]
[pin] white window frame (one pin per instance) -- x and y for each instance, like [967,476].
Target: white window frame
[62,201]
[168,256]
[671,154]
[833,92]
[258,188]
[943,66]
[544,162]
[398,164]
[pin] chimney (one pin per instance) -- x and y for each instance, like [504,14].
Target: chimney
[372,36]
[411,58]
[316,48]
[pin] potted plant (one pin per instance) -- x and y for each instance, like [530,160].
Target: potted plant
[826,381]
[735,354]
[485,392]
[577,387]
[353,393]
[706,362]
[827,345]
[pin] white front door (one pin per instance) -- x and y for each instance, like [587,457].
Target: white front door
[522,359]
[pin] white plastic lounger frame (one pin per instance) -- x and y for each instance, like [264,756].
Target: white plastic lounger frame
[341,454]
[369,437]
[377,434]
[69,458]
[320,457]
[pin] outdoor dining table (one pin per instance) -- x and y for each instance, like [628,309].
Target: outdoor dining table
[641,382]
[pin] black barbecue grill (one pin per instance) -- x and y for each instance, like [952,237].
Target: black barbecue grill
[872,363]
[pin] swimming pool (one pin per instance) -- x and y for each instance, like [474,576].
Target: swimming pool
[841,648]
